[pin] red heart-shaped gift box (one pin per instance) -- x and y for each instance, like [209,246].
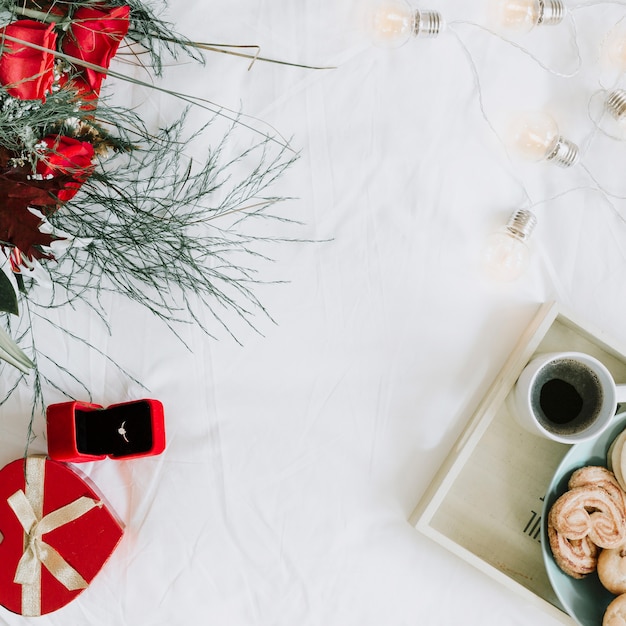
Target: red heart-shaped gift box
[56,535]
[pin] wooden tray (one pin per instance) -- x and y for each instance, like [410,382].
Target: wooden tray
[485,502]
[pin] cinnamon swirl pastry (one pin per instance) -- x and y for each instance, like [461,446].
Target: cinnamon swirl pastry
[588,517]
[590,511]
[598,476]
[575,557]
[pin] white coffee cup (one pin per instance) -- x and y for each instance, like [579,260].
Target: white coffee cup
[565,396]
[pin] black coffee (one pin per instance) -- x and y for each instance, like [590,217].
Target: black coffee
[566,397]
[560,402]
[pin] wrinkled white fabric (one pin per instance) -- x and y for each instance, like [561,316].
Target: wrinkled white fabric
[294,459]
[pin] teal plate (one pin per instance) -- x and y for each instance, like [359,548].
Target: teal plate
[584,599]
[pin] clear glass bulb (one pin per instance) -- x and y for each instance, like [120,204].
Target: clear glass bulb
[392,23]
[506,255]
[614,48]
[518,15]
[523,15]
[533,135]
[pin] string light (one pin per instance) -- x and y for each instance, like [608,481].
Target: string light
[525,15]
[394,22]
[615,104]
[614,48]
[535,137]
[506,255]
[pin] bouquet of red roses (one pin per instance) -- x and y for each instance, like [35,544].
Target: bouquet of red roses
[46,165]
[81,223]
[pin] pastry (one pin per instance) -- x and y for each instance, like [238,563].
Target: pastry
[615,614]
[612,569]
[616,458]
[590,511]
[596,475]
[575,557]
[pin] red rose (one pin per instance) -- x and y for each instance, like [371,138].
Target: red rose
[27,73]
[94,36]
[66,156]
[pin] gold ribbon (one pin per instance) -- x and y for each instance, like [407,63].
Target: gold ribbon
[28,508]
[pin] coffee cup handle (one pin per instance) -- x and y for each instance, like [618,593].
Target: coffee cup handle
[620,393]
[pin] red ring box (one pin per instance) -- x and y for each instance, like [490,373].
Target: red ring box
[80,431]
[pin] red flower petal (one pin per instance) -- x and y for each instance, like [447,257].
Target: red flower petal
[94,36]
[25,72]
[69,157]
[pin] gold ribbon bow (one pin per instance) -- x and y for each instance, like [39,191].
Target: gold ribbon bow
[27,506]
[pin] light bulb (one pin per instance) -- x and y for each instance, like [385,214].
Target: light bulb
[394,22]
[614,48]
[535,137]
[506,255]
[615,105]
[524,15]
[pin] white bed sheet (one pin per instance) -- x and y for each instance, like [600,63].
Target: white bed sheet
[295,457]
